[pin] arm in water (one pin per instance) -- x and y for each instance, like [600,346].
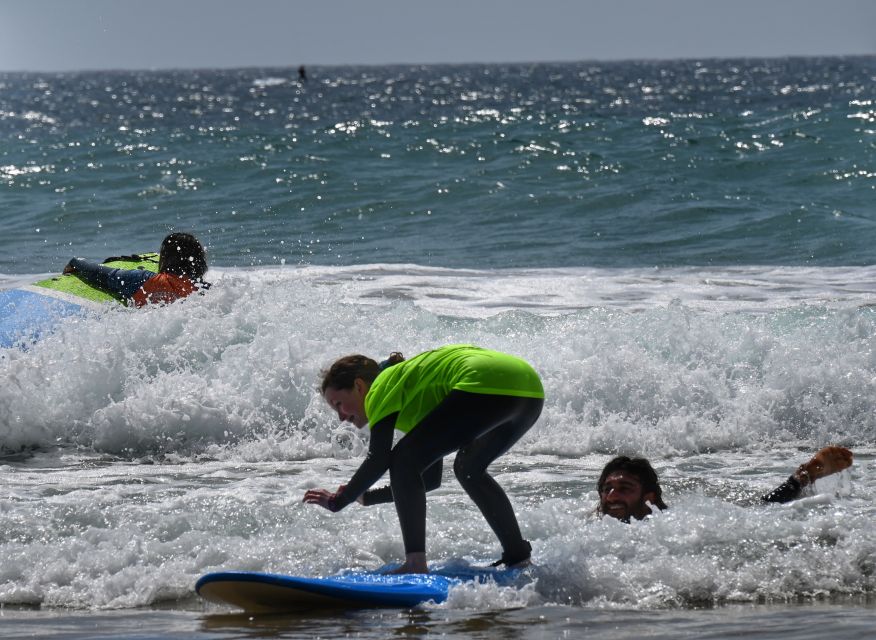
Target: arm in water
[825,462]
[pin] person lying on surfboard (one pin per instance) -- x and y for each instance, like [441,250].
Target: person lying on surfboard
[627,485]
[459,398]
[182,263]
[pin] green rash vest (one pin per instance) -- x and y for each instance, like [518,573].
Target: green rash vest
[413,388]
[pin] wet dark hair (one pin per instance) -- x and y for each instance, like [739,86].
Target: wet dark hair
[181,254]
[640,468]
[343,373]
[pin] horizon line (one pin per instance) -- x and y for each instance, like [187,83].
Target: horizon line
[442,64]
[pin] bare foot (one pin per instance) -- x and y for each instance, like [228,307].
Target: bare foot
[825,462]
[414,563]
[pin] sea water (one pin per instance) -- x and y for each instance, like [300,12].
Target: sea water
[681,249]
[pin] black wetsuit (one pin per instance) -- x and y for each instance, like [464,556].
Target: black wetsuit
[480,428]
[789,490]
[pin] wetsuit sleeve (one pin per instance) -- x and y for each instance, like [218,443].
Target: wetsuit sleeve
[375,464]
[122,282]
[431,480]
[377,496]
[789,490]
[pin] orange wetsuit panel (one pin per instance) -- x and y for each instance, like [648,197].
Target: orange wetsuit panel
[163,288]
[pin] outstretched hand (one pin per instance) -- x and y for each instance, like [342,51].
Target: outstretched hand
[322,497]
[326,498]
[825,462]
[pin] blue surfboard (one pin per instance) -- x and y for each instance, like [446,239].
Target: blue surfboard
[27,313]
[269,592]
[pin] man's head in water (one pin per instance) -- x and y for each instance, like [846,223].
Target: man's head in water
[626,484]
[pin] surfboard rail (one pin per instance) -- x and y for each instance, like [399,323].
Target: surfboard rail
[259,592]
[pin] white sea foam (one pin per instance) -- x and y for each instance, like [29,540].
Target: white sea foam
[239,366]
[174,441]
[118,535]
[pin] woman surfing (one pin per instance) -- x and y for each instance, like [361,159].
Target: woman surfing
[459,398]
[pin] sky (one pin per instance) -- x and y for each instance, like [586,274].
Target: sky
[67,35]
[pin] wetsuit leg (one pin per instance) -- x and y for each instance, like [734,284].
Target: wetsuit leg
[470,468]
[462,421]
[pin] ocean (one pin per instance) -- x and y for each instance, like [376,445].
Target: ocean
[682,249]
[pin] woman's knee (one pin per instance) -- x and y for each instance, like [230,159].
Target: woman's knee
[463,468]
[398,467]
[405,465]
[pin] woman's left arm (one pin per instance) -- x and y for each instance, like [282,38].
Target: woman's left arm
[375,465]
[431,480]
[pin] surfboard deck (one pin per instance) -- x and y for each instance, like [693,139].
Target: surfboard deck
[27,313]
[73,285]
[269,592]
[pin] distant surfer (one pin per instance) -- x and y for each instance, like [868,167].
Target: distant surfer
[182,263]
[628,487]
[459,398]
[302,74]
